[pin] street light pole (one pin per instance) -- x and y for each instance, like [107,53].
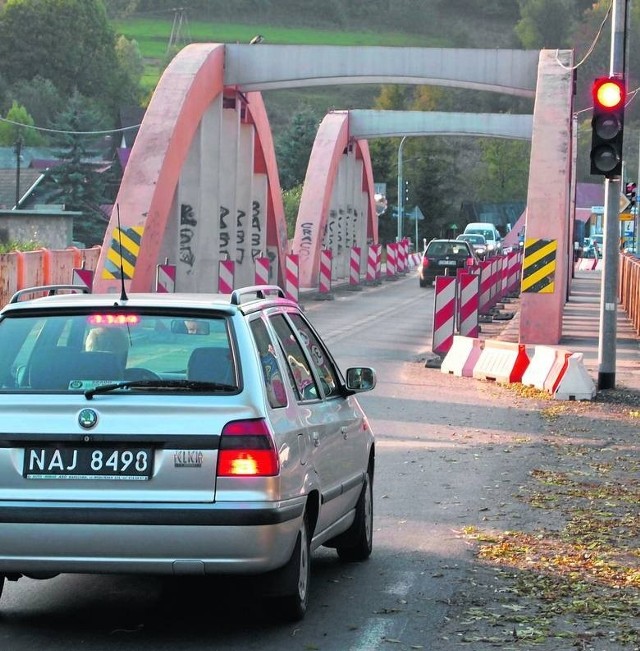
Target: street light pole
[400,191]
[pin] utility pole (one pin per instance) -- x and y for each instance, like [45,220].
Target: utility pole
[180,25]
[18,153]
[611,253]
[400,191]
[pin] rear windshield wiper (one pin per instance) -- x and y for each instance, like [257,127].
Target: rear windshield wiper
[189,385]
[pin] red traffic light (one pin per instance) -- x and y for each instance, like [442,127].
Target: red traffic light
[607,125]
[608,93]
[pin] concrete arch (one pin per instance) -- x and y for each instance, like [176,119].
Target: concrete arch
[337,207]
[200,186]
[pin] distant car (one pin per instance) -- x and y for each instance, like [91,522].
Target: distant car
[593,246]
[444,258]
[490,234]
[478,243]
[179,434]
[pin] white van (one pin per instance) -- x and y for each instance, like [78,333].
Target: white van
[491,235]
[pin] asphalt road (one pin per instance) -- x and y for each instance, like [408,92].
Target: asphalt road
[446,459]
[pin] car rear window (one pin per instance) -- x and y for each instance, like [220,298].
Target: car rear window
[75,352]
[458,248]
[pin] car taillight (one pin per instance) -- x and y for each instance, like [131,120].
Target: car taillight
[425,262]
[247,450]
[470,262]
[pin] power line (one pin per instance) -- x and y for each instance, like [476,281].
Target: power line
[63,131]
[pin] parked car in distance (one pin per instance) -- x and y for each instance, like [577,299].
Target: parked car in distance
[179,434]
[478,243]
[593,246]
[490,234]
[444,258]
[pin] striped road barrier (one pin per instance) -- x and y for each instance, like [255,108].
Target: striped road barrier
[444,314]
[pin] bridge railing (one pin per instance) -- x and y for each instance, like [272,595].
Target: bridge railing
[20,269]
[629,288]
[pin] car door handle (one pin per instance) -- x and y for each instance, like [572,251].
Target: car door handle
[315,437]
[345,432]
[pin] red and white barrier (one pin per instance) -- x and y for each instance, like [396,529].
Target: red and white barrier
[391,261]
[262,270]
[485,286]
[587,264]
[557,370]
[543,359]
[291,281]
[226,271]
[354,266]
[513,272]
[468,305]
[324,276]
[370,276]
[166,278]
[82,277]
[462,356]
[373,263]
[575,383]
[444,313]
[501,361]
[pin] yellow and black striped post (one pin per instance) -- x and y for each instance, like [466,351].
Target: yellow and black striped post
[123,253]
[539,266]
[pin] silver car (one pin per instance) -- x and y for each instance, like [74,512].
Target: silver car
[180,435]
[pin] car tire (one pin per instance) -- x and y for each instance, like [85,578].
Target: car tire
[292,606]
[423,283]
[358,539]
[2,580]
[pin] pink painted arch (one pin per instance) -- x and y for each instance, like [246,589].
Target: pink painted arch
[329,146]
[190,84]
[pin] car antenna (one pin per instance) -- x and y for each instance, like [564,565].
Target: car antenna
[123,292]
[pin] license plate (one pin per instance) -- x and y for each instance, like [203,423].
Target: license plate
[113,463]
[447,263]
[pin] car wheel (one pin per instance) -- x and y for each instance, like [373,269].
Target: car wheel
[423,283]
[293,606]
[359,537]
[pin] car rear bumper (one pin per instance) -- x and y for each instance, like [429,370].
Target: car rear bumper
[163,539]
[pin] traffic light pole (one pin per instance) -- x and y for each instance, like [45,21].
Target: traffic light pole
[611,253]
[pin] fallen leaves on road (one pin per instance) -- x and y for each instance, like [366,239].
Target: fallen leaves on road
[573,582]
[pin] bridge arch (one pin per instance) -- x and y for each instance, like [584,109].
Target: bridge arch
[337,207]
[201,184]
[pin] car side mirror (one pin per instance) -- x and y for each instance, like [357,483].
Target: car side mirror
[360,378]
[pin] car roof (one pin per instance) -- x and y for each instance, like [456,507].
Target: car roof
[228,303]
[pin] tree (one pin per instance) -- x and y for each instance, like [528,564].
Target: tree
[76,183]
[70,40]
[40,97]
[119,9]
[427,98]
[391,98]
[291,200]
[10,132]
[293,148]
[545,23]
[130,70]
[503,174]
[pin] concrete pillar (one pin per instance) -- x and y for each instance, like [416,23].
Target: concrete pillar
[545,266]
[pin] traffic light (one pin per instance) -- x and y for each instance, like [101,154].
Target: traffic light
[607,126]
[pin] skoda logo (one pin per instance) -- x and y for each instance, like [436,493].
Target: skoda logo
[87,418]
